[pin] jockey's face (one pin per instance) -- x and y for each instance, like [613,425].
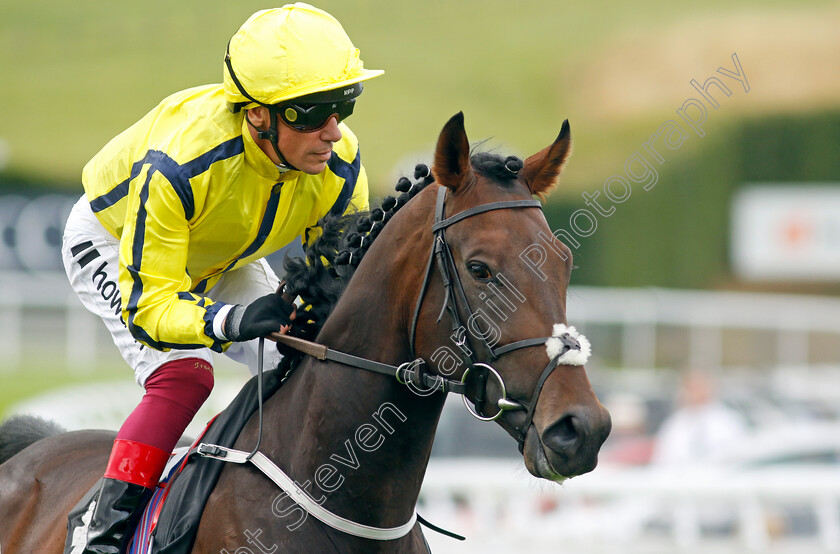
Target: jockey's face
[309,152]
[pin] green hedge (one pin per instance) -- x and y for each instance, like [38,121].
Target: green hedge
[677,234]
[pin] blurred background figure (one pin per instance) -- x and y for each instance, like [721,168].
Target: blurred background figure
[630,441]
[701,428]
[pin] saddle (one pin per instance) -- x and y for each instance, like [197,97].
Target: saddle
[170,521]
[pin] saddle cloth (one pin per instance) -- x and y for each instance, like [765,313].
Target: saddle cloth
[142,539]
[170,520]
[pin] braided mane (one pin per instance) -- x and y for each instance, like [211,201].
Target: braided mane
[320,278]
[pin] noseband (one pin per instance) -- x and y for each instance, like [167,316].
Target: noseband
[455,296]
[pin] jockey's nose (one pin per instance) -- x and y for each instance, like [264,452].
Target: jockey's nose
[331,131]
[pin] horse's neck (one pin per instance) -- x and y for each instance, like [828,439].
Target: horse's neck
[361,439]
[364,442]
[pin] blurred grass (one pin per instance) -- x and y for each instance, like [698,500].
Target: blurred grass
[35,379]
[32,379]
[76,74]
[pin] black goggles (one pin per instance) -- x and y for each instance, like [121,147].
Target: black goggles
[307,118]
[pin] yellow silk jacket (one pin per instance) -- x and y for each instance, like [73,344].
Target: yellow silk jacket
[191,196]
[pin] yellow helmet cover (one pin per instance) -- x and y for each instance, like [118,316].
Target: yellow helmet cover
[283,53]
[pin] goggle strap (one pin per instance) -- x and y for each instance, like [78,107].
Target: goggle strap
[272,130]
[271,134]
[236,79]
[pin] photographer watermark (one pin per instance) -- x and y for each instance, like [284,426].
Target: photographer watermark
[328,477]
[639,167]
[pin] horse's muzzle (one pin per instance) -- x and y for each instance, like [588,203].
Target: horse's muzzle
[569,446]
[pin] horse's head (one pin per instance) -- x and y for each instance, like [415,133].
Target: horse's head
[493,299]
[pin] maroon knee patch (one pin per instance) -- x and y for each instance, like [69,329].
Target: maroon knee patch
[174,393]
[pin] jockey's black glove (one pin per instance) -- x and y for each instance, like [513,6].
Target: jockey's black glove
[260,318]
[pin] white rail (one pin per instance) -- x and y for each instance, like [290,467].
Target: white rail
[707,315]
[40,310]
[643,510]
[639,313]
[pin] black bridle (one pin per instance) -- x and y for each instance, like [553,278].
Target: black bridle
[455,296]
[415,372]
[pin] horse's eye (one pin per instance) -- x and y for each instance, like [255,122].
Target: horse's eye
[480,271]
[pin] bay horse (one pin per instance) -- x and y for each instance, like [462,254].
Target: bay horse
[359,442]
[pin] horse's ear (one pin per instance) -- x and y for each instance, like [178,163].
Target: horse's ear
[541,169]
[452,167]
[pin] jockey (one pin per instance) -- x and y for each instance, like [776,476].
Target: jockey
[167,243]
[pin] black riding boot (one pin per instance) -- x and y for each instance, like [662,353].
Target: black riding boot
[102,523]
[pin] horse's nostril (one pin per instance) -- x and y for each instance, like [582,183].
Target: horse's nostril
[564,434]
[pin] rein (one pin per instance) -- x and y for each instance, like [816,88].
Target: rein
[402,372]
[414,372]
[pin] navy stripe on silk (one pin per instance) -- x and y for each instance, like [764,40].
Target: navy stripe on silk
[112,196]
[201,286]
[225,150]
[137,285]
[350,173]
[120,191]
[178,175]
[266,225]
